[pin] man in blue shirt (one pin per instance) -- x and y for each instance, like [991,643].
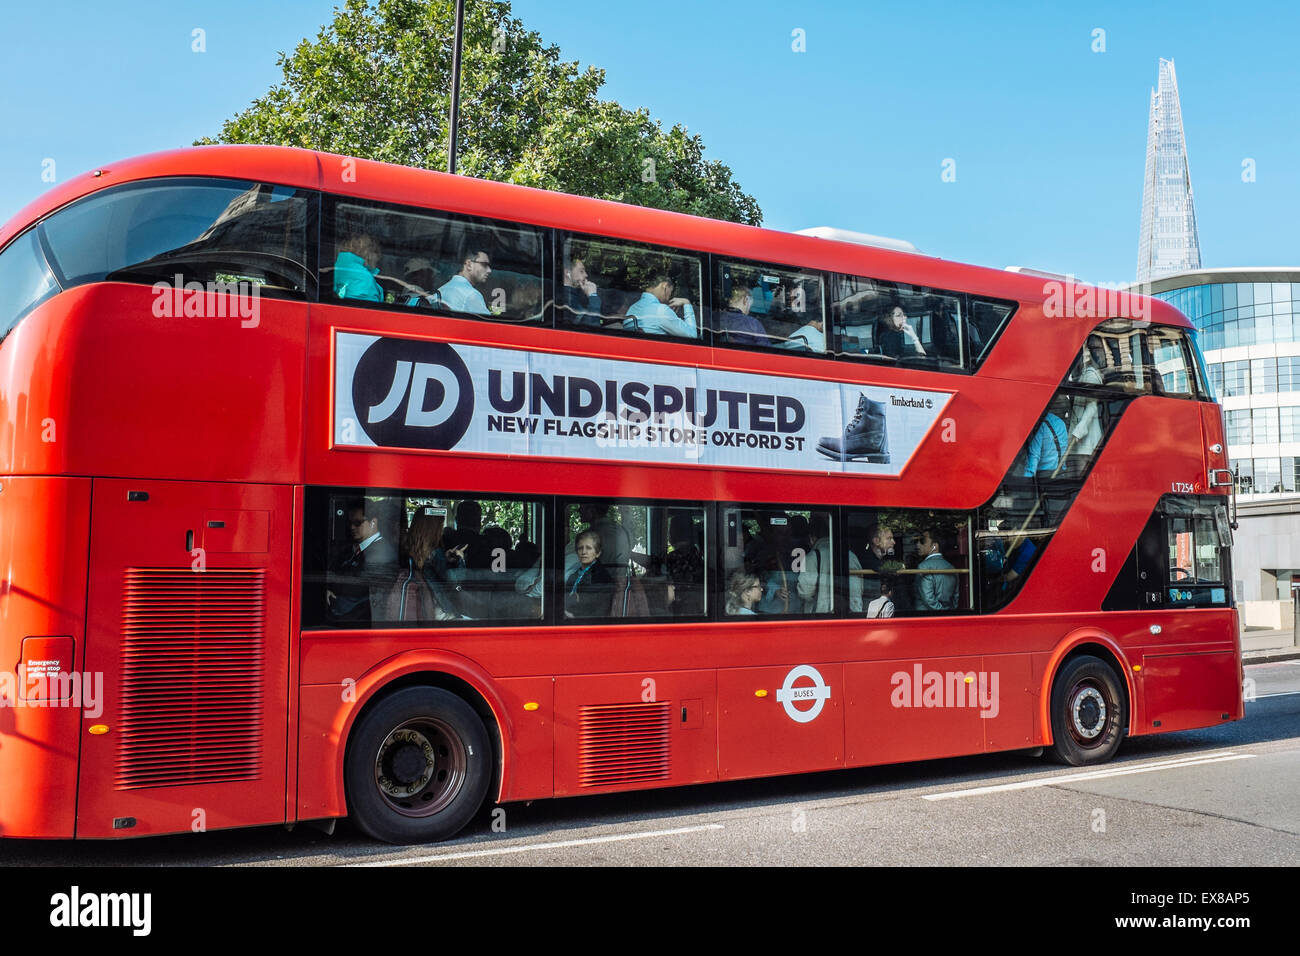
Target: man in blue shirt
[653,312]
[458,292]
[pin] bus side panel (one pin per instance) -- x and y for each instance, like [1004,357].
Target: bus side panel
[189,623]
[129,393]
[637,730]
[1010,708]
[1190,690]
[908,710]
[320,751]
[787,719]
[530,738]
[44,524]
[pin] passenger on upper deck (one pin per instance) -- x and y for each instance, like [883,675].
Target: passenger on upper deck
[653,312]
[1085,426]
[895,336]
[458,292]
[581,297]
[807,338]
[736,324]
[354,276]
[1050,441]
[418,278]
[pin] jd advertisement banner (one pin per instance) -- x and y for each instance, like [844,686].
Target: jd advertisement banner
[403,393]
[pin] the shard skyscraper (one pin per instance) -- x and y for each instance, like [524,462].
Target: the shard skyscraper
[1168,241]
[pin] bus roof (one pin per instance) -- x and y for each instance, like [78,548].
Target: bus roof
[308,169]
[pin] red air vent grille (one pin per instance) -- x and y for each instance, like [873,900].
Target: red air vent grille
[623,743]
[192,646]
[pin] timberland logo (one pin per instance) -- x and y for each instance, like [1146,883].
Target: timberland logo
[973,689]
[76,909]
[908,402]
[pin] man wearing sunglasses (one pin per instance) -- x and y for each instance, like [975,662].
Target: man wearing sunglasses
[458,292]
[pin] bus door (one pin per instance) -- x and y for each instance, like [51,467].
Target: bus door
[187,627]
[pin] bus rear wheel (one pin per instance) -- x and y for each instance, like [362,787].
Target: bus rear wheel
[1088,712]
[418,767]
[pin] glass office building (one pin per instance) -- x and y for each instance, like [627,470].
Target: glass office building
[1249,330]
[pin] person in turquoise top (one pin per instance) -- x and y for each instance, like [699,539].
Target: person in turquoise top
[458,292]
[653,312]
[354,278]
[1049,443]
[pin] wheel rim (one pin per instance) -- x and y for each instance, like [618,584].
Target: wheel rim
[1089,713]
[420,767]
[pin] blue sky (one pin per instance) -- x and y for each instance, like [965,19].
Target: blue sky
[1048,137]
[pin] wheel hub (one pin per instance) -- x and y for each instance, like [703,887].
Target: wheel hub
[405,764]
[1088,713]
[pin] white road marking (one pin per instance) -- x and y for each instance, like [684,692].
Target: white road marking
[1121,771]
[1281,693]
[524,848]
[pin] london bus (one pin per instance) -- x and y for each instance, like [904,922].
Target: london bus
[331,488]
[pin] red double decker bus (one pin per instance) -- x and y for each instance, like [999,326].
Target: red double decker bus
[338,488]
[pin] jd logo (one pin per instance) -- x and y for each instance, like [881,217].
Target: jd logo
[413,394]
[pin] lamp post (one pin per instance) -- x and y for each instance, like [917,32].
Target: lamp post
[455,85]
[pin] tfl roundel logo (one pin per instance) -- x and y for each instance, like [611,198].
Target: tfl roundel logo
[413,394]
[791,696]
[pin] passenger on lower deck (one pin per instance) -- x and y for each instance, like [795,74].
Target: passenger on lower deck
[588,591]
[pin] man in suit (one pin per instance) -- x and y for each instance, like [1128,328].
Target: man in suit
[935,591]
[360,572]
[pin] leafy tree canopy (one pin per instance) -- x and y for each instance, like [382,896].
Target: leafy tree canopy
[376,84]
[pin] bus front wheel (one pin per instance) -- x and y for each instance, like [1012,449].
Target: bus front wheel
[1088,717]
[418,767]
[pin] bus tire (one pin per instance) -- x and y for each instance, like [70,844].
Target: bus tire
[1088,712]
[418,767]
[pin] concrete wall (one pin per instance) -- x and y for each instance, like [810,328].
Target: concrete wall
[1267,615]
[1264,542]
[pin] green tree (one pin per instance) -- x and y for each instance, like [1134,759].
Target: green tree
[376,84]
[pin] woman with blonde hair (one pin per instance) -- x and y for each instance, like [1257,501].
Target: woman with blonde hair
[743,592]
